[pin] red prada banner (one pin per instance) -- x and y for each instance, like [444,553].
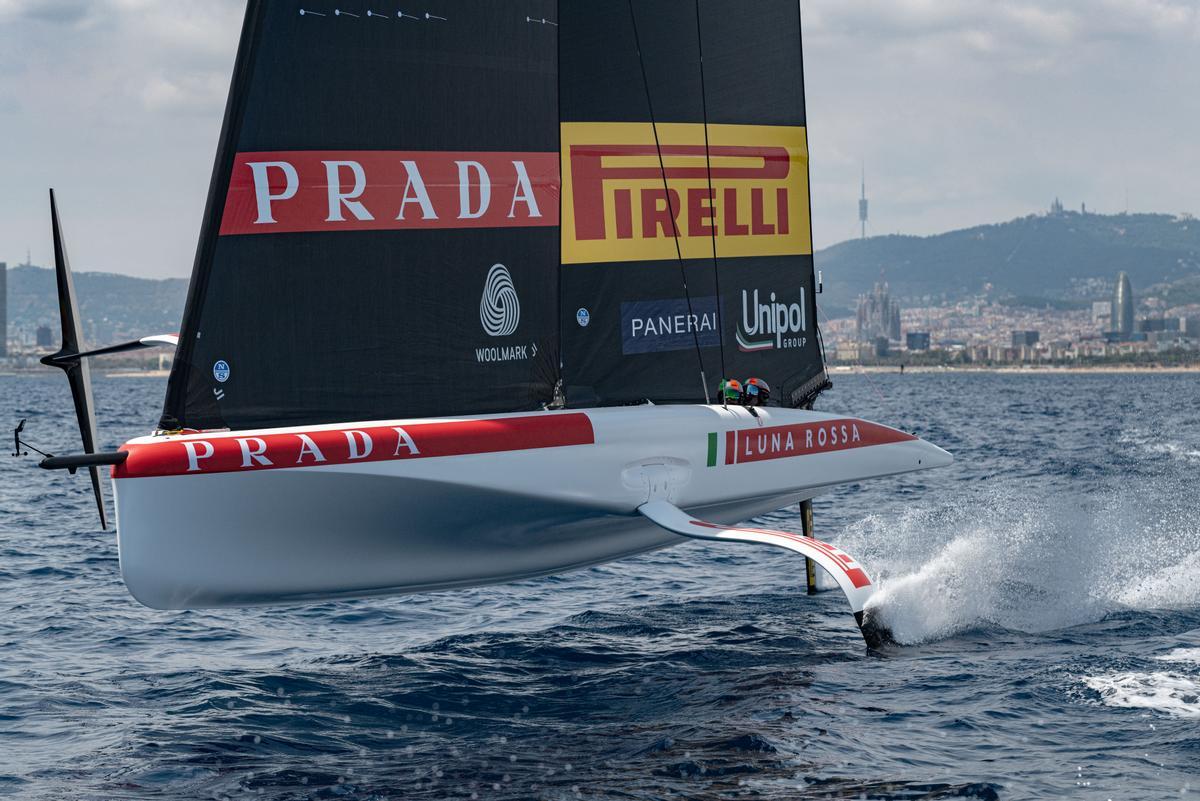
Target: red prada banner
[226,453]
[289,191]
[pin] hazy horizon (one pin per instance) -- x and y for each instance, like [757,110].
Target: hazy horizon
[963,113]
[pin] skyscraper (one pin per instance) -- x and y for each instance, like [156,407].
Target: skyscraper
[1122,306]
[3,309]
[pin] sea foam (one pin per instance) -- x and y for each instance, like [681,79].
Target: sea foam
[1031,561]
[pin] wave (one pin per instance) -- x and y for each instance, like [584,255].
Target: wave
[1160,691]
[1174,692]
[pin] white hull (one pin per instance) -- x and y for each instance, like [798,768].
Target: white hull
[353,526]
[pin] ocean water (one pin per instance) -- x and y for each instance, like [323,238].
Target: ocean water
[1046,589]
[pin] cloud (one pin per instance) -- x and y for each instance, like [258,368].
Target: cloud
[60,12]
[118,104]
[199,92]
[967,111]
[964,111]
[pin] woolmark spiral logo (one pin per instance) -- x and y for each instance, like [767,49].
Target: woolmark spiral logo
[499,309]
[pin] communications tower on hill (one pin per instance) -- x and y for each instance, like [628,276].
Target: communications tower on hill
[862,203]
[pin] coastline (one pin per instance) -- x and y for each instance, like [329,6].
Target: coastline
[95,373]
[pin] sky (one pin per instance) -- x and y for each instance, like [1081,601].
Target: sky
[962,112]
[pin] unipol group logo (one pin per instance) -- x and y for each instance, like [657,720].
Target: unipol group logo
[499,308]
[769,322]
[741,189]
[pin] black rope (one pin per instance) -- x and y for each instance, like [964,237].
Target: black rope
[559,399]
[670,207]
[712,198]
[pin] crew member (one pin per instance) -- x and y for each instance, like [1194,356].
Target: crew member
[730,391]
[756,392]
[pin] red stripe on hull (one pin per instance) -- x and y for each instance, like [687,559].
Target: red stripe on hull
[230,453]
[803,439]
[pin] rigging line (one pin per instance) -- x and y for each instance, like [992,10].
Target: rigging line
[712,199]
[560,390]
[670,206]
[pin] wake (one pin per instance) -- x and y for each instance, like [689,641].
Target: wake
[1030,561]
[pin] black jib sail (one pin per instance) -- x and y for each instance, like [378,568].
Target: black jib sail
[685,117]
[383,239]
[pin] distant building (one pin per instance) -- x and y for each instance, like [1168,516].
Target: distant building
[45,337]
[3,309]
[1156,324]
[878,315]
[1056,208]
[1122,306]
[850,351]
[1102,314]
[1024,339]
[917,340]
[855,351]
[881,347]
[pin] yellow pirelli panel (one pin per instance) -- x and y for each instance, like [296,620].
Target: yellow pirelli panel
[616,207]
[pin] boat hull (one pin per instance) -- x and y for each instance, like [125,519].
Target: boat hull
[242,518]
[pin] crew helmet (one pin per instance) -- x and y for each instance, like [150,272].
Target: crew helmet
[757,392]
[730,391]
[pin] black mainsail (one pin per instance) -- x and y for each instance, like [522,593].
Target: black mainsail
[486,207]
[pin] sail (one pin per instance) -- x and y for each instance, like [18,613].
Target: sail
[381,235]
[686,239]
[490,207]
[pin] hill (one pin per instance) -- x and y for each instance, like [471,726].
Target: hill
[1062,260]
[112,307]
[1064,257]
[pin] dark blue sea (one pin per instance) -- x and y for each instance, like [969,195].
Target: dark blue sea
[1046,588]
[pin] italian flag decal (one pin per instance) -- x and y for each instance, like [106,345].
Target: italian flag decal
[746,346]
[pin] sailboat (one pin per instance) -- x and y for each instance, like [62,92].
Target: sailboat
[475,285]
